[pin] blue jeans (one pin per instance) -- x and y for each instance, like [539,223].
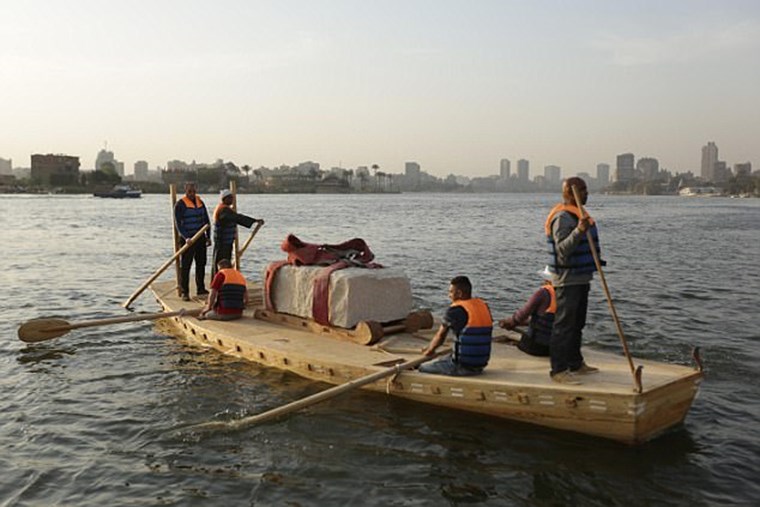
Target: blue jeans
[447,366]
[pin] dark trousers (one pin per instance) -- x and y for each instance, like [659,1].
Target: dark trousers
[529,345]
[196,253]
[565,346]
[221,252]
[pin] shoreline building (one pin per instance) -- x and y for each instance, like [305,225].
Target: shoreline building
[505,170]
[523,170]
[709,159]
[141,170]
[624,171]
[53,170]
[6,166]
[648,168]
[553,175]
[603,174]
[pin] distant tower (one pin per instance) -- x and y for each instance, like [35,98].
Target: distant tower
[412,174]
[103,157]
[648,167]
[505,169]
[523,170]
[553,174]
[141,170]
[624,170]
[603,174]
[709,159]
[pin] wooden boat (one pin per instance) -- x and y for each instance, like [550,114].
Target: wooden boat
[514,385]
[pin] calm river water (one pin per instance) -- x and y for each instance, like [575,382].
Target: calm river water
[86,417]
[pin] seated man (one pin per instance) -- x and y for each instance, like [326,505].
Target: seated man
[538,313]
[229,294]
[471,321]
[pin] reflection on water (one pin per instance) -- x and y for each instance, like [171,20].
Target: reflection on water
[89,418]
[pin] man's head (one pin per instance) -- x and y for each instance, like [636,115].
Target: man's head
[580,186]
[224,264]
[226,196]
[460,288]
[190,189]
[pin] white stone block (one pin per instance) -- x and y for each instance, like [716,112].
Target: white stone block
[356,294]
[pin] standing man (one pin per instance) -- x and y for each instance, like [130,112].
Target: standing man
[572,266]
[226,221]
[229,294]
[190,216]
[471,321]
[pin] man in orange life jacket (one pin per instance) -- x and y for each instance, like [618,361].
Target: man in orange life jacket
[190,216]
[229,294]
[226,221]
[471,321]
[538,313]
[572,266]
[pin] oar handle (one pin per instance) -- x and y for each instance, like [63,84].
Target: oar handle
[611,305]
[250,238]
[128,318]
[163,268]
[314,398]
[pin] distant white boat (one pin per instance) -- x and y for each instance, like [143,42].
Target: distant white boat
[120,192]
[700,192]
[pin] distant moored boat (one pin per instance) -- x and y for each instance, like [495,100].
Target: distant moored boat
[120,192]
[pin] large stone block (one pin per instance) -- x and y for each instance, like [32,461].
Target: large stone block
[356,294]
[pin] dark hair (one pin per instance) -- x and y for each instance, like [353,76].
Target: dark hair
[224,264]
[463,284]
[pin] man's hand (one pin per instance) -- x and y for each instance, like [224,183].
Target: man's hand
[428,351]
[583,224]
[507,324]
[260,221]
[208,241]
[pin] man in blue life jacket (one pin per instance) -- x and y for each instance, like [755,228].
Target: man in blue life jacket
[572,266]
[190,216]
[470,320]
[229,294]
[538,314]
[226,221]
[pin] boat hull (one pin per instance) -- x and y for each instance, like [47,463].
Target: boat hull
[514,386]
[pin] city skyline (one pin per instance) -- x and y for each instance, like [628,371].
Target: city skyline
[454,87]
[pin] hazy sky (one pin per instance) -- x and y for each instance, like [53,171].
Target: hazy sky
[453,85]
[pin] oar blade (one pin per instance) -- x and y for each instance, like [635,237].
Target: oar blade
[39,330]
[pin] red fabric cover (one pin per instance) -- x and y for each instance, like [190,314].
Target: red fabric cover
[354,252]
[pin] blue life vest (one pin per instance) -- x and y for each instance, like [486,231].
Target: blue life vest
[581,260]
[194,217]
[472,348]
[232,292]
[224,234]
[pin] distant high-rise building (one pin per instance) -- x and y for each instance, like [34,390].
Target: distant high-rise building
[709,159]
[55,169]
[104,156]
[412,175]
[603,174]
[744,169]
[553,174]
[721,172]
[624,170]
[6,166]
[505,168]
[141,170]
[523,170]
[648,167]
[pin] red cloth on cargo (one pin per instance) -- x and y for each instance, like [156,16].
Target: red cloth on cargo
[354,252]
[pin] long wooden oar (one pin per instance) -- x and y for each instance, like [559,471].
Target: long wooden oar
[250,238]
[38,330]
[166,264]
[595,255]
[311,400]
